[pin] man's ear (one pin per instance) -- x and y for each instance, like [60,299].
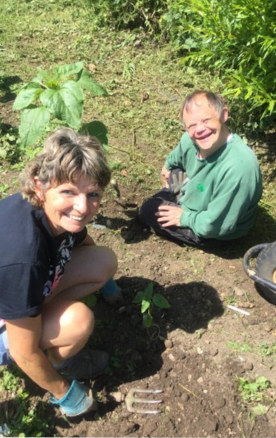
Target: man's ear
[224,115]
[38,188]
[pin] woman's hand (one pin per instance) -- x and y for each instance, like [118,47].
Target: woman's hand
[24,337]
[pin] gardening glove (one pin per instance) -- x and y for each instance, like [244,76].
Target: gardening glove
[78,400]
[179,181]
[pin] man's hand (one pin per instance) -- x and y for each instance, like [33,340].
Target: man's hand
[164,176]
[169,215]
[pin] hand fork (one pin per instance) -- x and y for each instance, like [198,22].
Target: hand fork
[130,400]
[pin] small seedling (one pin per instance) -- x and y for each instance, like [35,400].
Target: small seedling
[148,300]
[267,350]
[239,348]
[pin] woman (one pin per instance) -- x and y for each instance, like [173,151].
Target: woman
[48,263]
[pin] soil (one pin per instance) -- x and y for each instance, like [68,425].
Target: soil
[195,352]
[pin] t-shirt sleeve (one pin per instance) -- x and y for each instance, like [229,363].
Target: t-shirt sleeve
[21,290]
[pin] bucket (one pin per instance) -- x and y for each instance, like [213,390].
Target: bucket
[264,272]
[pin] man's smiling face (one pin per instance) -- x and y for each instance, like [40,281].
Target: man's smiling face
[205,126]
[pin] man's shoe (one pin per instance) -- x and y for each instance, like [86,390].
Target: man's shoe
[86,364]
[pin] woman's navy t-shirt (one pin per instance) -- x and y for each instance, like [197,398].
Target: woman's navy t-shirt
[32,259]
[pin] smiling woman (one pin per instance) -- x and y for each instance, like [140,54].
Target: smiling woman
[67,180]
[70,206]
[50,263]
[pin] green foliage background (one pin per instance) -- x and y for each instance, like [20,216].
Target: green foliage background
[232,38]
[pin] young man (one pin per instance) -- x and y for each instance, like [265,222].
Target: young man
[212,180]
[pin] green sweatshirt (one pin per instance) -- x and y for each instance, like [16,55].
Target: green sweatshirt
[220,199]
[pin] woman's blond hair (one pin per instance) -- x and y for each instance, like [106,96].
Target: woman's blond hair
[64,153]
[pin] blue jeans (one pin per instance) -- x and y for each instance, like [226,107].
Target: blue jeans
[5,358]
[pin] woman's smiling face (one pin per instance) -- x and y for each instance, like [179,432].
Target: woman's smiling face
[203,124]
[70,206]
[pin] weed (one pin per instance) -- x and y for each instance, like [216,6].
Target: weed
[267,350]
[26,418]
[253,391]
[9,381]
[9,149]
[239,348]
[231,300]
[148,300]
[3,190]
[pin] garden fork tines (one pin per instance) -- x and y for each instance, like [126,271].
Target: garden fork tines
[131,401]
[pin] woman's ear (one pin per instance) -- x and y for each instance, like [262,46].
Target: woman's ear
[39,188]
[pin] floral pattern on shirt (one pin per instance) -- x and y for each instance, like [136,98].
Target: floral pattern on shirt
[56,272]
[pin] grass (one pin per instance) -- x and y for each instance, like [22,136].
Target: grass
[21,415]
[63,32]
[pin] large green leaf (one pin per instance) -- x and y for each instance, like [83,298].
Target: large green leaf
[42,76]
[33,122]
[97,129]
[67,70]
[27,95]
[66,103]
[87,83]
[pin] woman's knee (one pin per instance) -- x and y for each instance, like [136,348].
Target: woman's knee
[108,260]
[78,319]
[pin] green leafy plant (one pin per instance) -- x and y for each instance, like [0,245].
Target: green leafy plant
[9,381]
[253,391]
[9,150]
[239,348]
[148,300]
[235,39]
[56,95]
[267,350]
[21,416]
